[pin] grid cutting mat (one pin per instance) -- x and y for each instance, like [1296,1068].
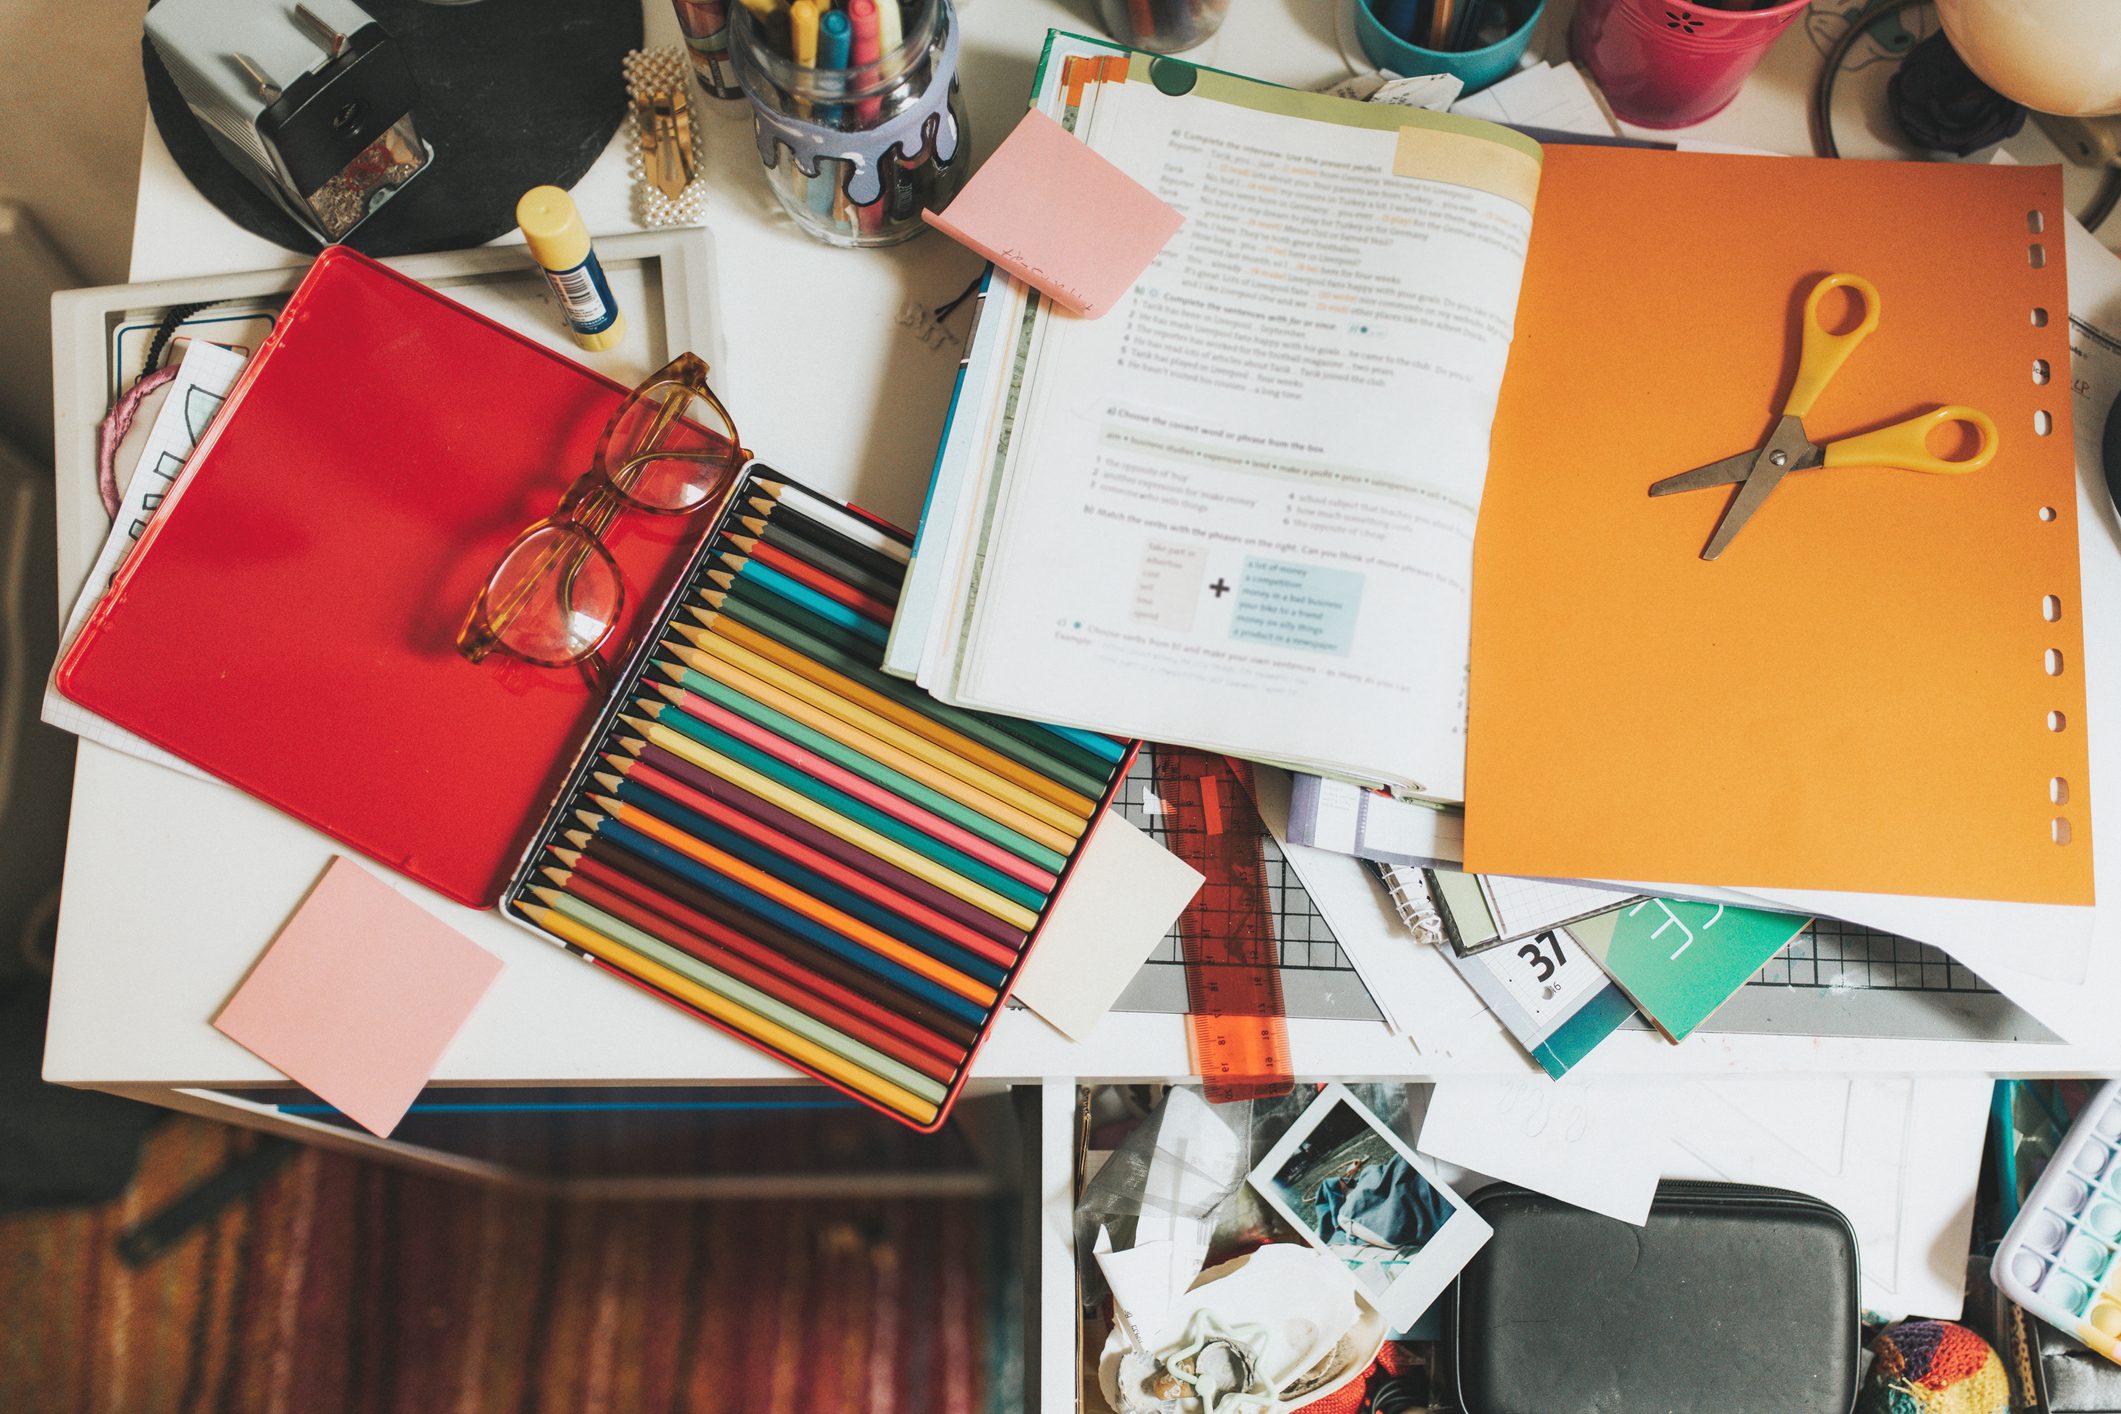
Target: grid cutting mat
[1834,978]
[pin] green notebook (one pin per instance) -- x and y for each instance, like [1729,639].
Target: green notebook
[1680,960]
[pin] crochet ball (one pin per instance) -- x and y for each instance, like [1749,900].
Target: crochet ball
[1934,1367]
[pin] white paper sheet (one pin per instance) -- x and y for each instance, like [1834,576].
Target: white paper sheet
[1901,1157]
[1126,892]
[1590,1143]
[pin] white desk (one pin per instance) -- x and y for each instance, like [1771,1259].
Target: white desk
[173,886]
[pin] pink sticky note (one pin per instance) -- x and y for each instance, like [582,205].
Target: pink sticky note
[359,996]
[1059,217]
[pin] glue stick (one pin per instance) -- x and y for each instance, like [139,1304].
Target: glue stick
[559,242]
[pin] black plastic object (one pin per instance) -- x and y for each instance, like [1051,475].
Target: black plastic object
[324,121]
[2110,453]
[512,94]
[1730,1300]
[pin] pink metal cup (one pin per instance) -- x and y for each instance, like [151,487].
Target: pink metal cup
[1668,65]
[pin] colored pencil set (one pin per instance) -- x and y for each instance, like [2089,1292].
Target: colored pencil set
[812,855]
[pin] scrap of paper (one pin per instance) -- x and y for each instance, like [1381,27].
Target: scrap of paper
[1059,217]
[1585,1143]
[1127,891]
[359,996]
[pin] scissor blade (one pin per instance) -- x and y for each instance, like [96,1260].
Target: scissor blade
[1718,473]
[1787,449]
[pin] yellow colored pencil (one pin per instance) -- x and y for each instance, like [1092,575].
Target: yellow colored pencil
[973,782]
[717,662]
[825,818]
[722,1009]
[949,738]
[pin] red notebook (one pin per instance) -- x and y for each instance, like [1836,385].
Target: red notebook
[288,623]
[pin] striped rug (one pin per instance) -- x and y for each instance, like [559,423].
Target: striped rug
[344,1287]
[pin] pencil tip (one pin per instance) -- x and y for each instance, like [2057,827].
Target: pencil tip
[772,487]
[752,524]
[653,709]
[722,577]
[558,876]
[674,694]
[606,779]
[703,615]
[667,668]
[594,822]
[734,561]
[568,857]
[746,543]
[713,597]
[549,895]
[634,722]
[578,838]
[633,744]
[606,804]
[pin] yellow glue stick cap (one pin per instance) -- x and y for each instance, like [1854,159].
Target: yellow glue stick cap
[553,227]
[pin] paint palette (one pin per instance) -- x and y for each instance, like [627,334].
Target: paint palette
[2061,1260]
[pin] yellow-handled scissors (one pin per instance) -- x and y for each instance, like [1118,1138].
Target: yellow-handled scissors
[1904,445]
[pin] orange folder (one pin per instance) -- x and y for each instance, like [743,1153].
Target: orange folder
[1857,695]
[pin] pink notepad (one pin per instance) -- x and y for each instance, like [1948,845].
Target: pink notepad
[359,996]
[1059,217]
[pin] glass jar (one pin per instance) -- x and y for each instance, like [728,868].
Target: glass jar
[1162,26]
[853,154]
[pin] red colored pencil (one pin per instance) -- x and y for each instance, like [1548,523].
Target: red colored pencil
[822,580]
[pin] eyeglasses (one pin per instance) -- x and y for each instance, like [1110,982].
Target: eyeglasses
[557,593]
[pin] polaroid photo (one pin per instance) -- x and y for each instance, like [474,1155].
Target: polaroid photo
[1356,1191]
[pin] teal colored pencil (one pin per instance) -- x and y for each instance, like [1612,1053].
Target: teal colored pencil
[875,772]
[769,578]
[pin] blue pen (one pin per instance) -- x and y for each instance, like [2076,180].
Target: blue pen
[835,43]
[1398,16]
[795,591]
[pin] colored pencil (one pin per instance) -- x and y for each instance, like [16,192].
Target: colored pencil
[776,582]
[896,992]
[992,889]
[774,910]
[815,580]
[761,533]
[736,669]
[617,955]
[1066,820]
[848,524]
[651,942]
[981,749]
[623,899]
[1026,742]
[849,819]
[846,925]
[812,532]
[826,862]
[723,701]
[851,899]
[707,785]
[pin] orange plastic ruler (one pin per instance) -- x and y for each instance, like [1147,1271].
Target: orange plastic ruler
[1236,1020]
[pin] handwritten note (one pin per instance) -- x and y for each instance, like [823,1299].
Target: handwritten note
[359,996]
[1059,217]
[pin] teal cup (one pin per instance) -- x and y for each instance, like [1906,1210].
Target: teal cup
[1475,68]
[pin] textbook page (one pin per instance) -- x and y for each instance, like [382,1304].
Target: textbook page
[1237,511]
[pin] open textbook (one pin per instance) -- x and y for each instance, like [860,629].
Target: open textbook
[1188,520]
